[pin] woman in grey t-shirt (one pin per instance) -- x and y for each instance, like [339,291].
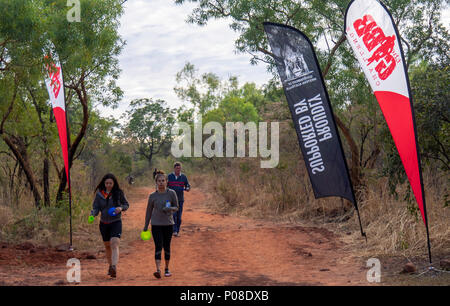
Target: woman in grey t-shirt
[160,208]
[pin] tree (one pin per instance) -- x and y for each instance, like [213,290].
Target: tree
[88,53]
[225,101]
[431,95]
[149,125]
[205,91]
[422,35]
[16,58]
[429,83]
[104,151]
[233,109]
[418,21]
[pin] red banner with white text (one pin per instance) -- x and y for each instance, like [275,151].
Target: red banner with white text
[375,41]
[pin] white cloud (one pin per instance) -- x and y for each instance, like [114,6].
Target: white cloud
[160,42]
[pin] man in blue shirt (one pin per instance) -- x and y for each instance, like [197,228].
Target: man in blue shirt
[179,183]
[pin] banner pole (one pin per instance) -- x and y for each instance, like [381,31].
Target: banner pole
[429,245]
[382,90]
[360,224]
[70,217]
[56,102]
[355,203]
[363,234]
[68,163]
[307,97]
[405,68]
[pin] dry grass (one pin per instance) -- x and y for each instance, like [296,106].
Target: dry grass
[392,229]
[6,216]
[284,194]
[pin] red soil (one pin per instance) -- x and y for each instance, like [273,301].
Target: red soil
[213,249]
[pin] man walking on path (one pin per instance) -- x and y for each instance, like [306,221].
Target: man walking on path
[178,182]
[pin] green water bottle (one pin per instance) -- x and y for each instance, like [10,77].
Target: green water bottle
[91,219]
[146,235]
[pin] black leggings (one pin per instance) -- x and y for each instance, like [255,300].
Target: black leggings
[162,235]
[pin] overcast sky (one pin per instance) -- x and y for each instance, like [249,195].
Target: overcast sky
[160,42]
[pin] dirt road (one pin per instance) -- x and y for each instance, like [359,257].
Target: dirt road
[213,249]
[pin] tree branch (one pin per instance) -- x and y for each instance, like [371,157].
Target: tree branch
[266,52]
[330,56]
[9,110]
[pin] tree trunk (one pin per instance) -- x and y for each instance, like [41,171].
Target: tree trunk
[45,168]
[355,170]
[11,185]
[82,96]
[19,151]
[149,160]
[46,183]
[62,186]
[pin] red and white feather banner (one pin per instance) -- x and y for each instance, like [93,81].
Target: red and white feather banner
[375,41]
[55,86]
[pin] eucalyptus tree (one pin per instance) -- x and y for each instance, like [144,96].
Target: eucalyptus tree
[422,34]
[87,51]
[149,125]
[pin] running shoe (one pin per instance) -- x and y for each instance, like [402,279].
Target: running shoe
[157,274]
[167,273]
[175,234]
[110,270]
[113,271]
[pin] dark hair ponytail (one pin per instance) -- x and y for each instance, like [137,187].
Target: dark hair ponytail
[157,173]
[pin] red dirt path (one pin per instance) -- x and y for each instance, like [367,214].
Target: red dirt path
[213,249]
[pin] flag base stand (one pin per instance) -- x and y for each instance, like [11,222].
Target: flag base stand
[432,270]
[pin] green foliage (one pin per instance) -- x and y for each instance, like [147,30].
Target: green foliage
[204,91]
[89,47]
[149,124]
[232,109]
[185,114]
[217,100]
[250,93]
[431,96]
[102,152]
[88,53]
[424,39]
[320,20]
[273,91]
[313,17]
